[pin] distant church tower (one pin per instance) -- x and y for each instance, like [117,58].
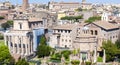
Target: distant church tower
[25,5]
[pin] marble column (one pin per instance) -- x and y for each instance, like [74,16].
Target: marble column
[26,49]
[9,44]
[22,49]
[14,45]
[31,47]
[28,39]
[18,48]
[13,48]
[95,55]
[104,56]
[5,39]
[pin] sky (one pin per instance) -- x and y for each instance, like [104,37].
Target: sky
[46,1]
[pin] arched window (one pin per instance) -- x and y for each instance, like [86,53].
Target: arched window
[91,32]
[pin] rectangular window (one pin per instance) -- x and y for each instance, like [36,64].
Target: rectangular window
[20,24]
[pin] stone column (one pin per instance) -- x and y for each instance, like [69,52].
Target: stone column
[28,39]
[14,45]
[5,39]
[104,56]
[9,44]
[13,48]
[22,49]
[95,55]
[18,49]
[26,49]
[31,47]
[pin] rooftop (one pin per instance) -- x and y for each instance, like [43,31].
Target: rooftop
[65,26]
[106,25]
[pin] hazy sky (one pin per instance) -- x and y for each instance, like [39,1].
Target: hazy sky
[45,1]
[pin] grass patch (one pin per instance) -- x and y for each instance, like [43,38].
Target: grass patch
[99,59]
[1,42]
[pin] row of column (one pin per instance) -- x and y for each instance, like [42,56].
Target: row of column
[19,47]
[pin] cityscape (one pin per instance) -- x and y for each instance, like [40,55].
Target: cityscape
[59,33]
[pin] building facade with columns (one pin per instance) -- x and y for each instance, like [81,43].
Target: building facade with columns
[23,39]
[87,37]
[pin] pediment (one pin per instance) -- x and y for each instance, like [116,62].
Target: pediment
[91,25]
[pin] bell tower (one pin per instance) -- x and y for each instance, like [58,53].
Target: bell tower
[25,5]
[83,1]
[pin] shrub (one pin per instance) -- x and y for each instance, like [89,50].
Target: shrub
[56,56]
[66,54]
[88,63]
[1,37]
[99,59]
[1,17]
[75,62]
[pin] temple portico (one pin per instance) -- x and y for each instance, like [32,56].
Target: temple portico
[19,44]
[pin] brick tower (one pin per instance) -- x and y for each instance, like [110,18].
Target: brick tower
[25,5]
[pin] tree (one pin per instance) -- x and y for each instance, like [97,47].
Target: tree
[75,18]
[22,62]
[93,19]
[5,57]
[5,25]
[1,37]
[43,49]
[66,54]
[111,50]
[8,24]
[1,17]
[117,43]
[43,40]
[56,56]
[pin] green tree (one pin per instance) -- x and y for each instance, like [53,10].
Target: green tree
[75,18]
[8,24]
[5,57]
[22,62]
[1,37]
[5,25]
[43,40]
[43,49]
[111,50]
[1,17]
[66,54]
[117,43]
[93,19]
[56,56]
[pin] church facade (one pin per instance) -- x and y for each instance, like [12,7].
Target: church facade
[24,38]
